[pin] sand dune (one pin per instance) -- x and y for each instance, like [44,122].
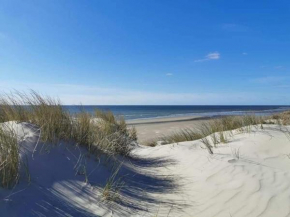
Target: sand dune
[255,183]
[249,176]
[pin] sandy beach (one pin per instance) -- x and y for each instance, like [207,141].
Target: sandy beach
[151,129]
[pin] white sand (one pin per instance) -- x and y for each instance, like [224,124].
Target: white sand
[172,180]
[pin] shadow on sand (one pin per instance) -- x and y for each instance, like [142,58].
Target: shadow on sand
[57,189]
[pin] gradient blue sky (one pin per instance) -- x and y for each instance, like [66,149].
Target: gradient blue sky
[148,51]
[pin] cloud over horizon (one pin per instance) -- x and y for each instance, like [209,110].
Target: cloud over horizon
[73,94]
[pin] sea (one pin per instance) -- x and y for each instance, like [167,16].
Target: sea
[130,112]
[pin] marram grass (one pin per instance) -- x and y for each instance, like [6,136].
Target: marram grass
[98,132]
[9,158]
[101,133]
[212,132]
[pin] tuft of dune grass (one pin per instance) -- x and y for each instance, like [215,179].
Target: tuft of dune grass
[187,134]
[82,130]
[114,185]
[45,112]
[101,133]
[283,118]
[9,158]
[112,135]
[212,132]
[151,143]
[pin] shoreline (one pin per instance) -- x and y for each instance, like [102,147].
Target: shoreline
[154,128]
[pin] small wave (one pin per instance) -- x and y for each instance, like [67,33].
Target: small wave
[149,112]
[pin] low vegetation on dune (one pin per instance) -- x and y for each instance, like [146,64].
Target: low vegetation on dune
[211,127]
[9,158]
[213,132]
[282,118]
[101,132]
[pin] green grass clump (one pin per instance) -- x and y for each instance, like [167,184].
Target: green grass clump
[82,129]
[54,122]
[282,118]
[114,185]
[112,135]
[215,129]
[181,136]
[133,134]
[45,112]
[12,108]
[151,143]
[100,132]
[9,158]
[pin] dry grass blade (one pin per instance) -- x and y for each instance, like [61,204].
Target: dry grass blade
[186,134]
[207,144]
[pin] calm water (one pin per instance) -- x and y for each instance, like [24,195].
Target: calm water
[142,112]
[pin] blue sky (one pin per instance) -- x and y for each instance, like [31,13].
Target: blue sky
[147,51]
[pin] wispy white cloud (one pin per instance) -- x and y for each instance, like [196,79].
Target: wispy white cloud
[169,74]
[211,56]
[245,53]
